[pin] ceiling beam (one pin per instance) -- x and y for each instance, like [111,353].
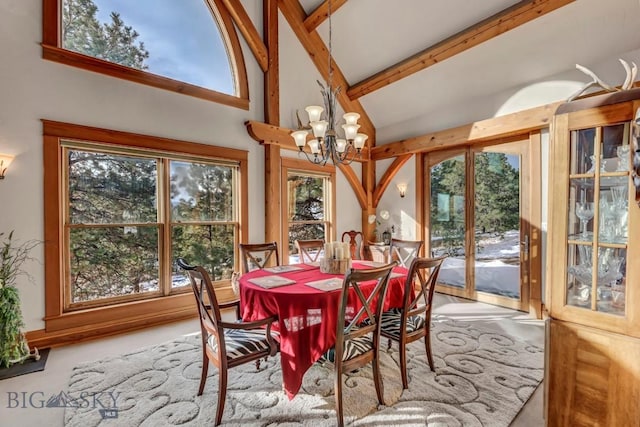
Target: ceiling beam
[272,74]
[318,52]
[503,21]
[249,32]
[518,123]
[321,14]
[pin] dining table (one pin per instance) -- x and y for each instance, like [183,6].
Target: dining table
[306,302]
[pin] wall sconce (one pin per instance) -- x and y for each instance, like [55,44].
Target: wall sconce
[5,161]
[402,188]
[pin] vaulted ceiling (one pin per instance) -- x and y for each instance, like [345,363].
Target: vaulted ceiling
[402,62]
[416,66]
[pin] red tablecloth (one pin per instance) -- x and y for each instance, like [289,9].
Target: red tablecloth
[307,316]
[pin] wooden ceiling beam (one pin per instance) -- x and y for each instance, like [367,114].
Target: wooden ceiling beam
[318,52]
[508,19]
[249,32]
[508,125]
[321,14]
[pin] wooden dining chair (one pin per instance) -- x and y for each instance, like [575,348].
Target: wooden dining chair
[226,344]
[310,250]
[404,251]
[258,255]
[358,337]
[356,243]
[377,252]
[413,321]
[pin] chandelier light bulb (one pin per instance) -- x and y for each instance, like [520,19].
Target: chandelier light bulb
[351,118]
[314,112]
[315,146]
[359,141]
[350,131]
[319,128]
[300,136]
[341,145]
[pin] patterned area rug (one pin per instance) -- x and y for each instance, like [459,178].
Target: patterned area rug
[482,378]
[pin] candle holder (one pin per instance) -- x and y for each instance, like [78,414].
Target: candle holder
[335,266]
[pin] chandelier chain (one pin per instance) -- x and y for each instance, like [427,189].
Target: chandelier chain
[326,144]
[329,67]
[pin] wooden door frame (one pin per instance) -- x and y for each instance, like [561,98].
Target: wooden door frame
[530,202]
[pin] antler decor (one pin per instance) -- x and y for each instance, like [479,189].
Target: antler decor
[631,70]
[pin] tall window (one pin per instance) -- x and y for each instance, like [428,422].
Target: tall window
[158,42]
[127,207]
[308,203]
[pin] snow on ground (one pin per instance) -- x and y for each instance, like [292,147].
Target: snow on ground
[497,266]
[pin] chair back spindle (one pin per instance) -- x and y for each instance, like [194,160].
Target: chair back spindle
[258,255]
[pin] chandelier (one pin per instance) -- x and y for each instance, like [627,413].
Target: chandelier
[326,143]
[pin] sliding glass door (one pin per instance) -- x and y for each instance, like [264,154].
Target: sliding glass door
[447,215]
[477,214]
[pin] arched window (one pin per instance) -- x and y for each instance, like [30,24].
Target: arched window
[188,46]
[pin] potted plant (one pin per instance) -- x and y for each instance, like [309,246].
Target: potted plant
[13,344]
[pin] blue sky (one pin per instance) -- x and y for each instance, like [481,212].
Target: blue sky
[182,38]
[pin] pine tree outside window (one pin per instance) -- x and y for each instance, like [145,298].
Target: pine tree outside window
[188,46]
[120,209]
[308,204]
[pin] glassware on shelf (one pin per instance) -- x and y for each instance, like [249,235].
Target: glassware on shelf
[607,272]
[607,224]
[608,275]
[618,296]
[585,212]
[620,196]
[623,158]
[592,169]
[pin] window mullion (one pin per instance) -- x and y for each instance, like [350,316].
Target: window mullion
[164,218]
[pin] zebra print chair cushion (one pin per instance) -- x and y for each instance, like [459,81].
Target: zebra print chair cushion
[241,342]
[391,320]
[353,348]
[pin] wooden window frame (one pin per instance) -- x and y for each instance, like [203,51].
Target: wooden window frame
[52,50]
[305,168]
[63,326]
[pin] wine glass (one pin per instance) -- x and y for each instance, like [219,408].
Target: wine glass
[585,211]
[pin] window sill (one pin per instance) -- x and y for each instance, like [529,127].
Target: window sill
[93,323]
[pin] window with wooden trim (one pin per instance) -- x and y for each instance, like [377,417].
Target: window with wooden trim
[188,46]
[308,198]
[126,206]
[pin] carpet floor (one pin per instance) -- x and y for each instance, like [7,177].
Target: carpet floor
[482,378]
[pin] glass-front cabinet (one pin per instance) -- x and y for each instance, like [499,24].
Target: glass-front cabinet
[594,230]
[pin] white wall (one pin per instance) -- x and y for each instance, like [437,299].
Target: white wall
[402,210]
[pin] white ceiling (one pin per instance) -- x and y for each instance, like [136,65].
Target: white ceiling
[370,35]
